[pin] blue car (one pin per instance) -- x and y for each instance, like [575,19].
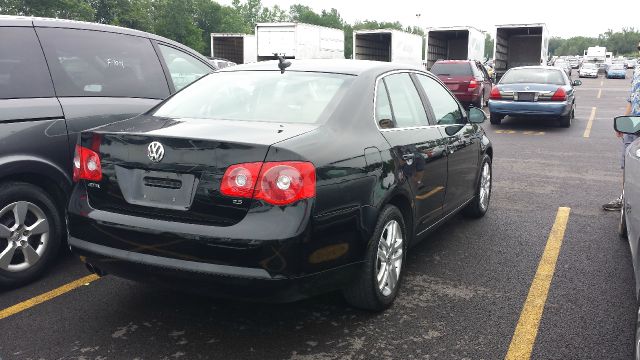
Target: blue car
[616,71]
[534,91]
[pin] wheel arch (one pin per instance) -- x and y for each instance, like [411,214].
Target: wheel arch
[39,172]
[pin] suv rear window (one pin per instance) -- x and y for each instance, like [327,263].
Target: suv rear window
[452,69]
[294,97]
[23,71]
[94,63]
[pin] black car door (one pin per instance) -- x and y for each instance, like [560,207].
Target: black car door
[462,139]
[418,148]
[101,77]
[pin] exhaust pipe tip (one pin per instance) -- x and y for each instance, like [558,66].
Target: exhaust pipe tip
[94,270]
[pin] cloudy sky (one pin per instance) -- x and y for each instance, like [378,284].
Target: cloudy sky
[563,18]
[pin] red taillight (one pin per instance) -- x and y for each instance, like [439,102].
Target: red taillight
[240,180]
[473,84]
[495,94]
[559,95]
[86,165]
[277,183]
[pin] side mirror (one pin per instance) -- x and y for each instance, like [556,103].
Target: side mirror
[576,82]
[476,116]
[386,124]
[627,124]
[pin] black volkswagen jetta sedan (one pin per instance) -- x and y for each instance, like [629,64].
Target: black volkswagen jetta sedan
[276,185]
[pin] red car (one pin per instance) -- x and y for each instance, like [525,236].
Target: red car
[467,79]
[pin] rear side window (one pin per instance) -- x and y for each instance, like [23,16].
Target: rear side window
[408,110]
[23,71]
[184,68]
[452,69]
[94,63]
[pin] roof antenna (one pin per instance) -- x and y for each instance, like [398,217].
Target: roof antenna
[282,63]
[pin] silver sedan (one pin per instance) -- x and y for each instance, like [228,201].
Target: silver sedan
[630,214]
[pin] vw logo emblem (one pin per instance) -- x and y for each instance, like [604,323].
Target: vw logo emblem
[527,88]
[155,151]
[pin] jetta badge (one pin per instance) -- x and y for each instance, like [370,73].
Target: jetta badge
[155,152]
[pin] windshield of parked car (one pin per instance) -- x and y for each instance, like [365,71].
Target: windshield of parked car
[589,66]
[452,69]
[533,76]
[295,97]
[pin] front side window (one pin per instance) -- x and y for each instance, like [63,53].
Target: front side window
[184,68]
[23,71]
[269,96]
[408,110]
[445,107]
[95,63]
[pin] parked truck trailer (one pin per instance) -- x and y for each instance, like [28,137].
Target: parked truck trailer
[454,43]
[238,48]
[520,45]
[387,45]
[299,41]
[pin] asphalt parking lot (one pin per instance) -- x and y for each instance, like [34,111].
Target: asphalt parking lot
[467,292]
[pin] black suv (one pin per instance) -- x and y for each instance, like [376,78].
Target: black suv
[58,78]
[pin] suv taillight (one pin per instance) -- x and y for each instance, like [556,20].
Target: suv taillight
[86,165]
[495,94]
[559,95]
[473,84]
[277,183]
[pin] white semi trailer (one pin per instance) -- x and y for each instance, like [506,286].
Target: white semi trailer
[454,43]
[299,41]
[239,48]
[388,45]
[520,45]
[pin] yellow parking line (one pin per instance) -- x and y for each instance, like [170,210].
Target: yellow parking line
[599,93]
[12,310]
[527,328]
[592,117]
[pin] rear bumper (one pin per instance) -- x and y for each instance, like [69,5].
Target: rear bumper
[591,75]
[271,255]
[210,279]
[542,108]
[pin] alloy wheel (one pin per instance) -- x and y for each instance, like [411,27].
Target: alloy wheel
[389,261]
[485,186]
[24,236]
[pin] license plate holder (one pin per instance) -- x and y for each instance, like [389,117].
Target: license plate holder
[526,96]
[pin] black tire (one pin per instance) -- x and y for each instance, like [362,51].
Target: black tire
[565,121]
[364,292]
[622,224]
[476,208]
[495,119]
[14,192]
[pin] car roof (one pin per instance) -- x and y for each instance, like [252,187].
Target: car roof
[536,67]
[455,61]
[338,66]
[11,20]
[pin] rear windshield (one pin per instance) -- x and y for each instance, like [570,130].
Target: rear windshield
[294,97]
[533,76]
[452,69]
[589,66]
[617,67]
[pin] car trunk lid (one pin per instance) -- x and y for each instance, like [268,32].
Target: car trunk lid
[172,168]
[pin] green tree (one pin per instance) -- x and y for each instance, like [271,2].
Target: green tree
[63,9]
[488,46]
[175,20]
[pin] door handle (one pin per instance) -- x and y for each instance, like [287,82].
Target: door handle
[408,158]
